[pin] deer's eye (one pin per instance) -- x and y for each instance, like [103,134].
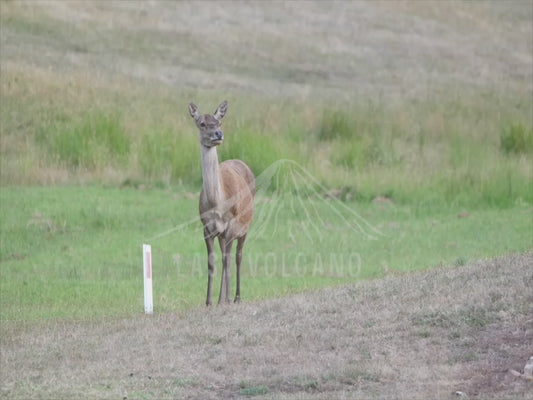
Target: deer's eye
[202,124]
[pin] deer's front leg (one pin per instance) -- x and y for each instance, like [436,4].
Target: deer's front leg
[209,242]
[222,295]
[225,247]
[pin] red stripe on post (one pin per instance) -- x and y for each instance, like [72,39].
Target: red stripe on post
[148,265]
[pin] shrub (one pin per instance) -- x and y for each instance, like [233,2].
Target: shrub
[335,125]
[517,139]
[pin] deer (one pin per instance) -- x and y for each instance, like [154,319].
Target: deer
[226,202]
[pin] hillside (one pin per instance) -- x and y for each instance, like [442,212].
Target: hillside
[387,48]
[418,336]
[412,99]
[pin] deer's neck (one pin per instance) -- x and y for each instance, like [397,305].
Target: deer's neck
[211,176]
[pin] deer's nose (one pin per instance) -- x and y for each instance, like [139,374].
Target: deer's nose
[219,134]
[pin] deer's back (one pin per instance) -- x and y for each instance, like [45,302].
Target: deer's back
[240,170]
[238,185]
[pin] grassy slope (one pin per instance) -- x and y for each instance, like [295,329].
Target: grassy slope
[408,100]
[419,335]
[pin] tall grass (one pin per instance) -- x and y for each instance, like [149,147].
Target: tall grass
[84,100]
[168,156]
[517,138]
[469,149]
[90,141]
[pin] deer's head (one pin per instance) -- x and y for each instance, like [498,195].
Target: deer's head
[209,125]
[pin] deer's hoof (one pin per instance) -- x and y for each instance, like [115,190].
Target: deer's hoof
[237,299]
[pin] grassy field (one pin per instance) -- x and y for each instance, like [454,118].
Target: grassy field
[76,252]
[386,136]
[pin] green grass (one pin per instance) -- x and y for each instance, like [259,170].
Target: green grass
[104,114]
[412,153]
[94,140]
[75,252]
[159,159]
[517,139]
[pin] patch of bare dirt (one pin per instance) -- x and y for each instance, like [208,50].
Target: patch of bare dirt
[501,353]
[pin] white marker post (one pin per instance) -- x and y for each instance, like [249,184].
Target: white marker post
[147,273]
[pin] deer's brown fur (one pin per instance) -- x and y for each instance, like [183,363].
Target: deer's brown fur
[226,201]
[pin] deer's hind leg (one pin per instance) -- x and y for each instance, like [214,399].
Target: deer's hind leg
[240,245]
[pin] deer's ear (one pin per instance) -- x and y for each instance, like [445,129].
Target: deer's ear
[221,110]
[193,110]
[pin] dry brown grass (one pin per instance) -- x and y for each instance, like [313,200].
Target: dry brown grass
[417,336]
[346,48]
